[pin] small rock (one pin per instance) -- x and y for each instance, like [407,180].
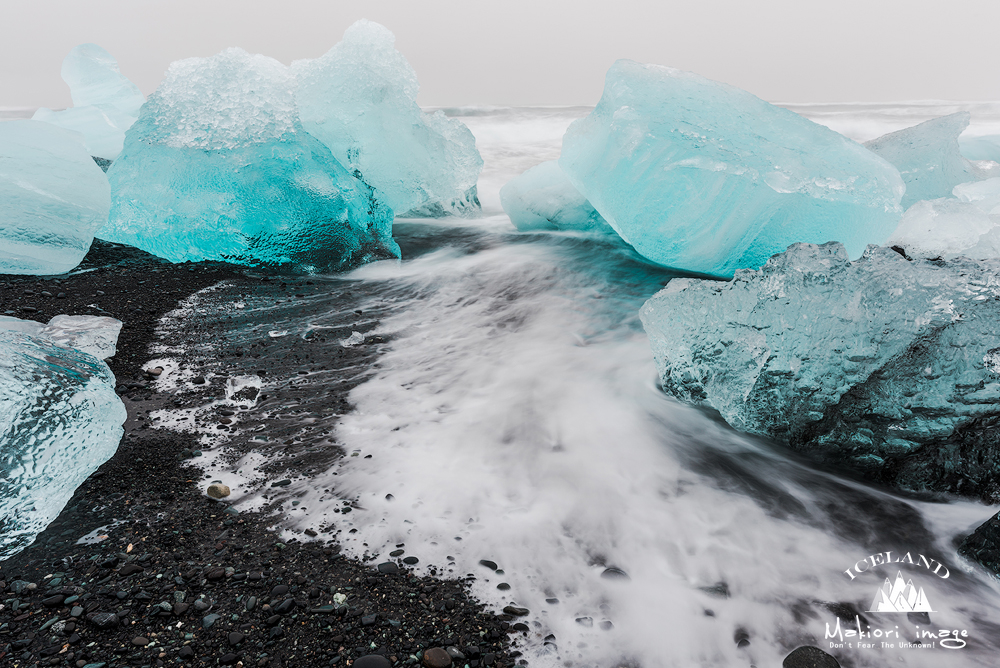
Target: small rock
[186,653]
[369,620]
[251,604]
[218,491]
[198,380]
[435,657]
[209,620]
[276,632]
[180,609]
[235,638]
[53,601]
[410,561]
[228,659]
[808,656]
[279,590]
[215,574]
[503,586]
[129,569]
[77,611]
[371,661]
[613,573]
[455,653]
[492,565]
[515,611]
[139,641]
[388,568]
[103,620]
[285,606]
[282,483]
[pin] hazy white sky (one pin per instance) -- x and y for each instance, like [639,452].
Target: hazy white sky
[539,51]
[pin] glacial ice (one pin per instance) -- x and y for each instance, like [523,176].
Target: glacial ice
[705,177]
[888,365]
[92,334]
[218,166]
[61,419]
[542,198]
[928,157]
[360,100]
[105,103]
[947,228]
[979,149]
[54,198]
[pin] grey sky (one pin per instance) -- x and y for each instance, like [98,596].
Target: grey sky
[539,51]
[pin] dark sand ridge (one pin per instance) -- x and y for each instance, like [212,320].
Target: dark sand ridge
[177,561]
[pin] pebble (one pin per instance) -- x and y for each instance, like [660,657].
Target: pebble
[515,611]
[139,641]
[279,590]
[185,653]
[209,620]
[228,659]
[103,620]
[251,604]
[235,638]
[371,661]
[410,561]
[129,569]
[808,656]
[218,491]
[492,565]
[285,606]
[435,657]
[503,586]
[76,611]
[613,573]
[388,568]
[396,553]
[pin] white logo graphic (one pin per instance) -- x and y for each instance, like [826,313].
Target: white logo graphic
[900,596]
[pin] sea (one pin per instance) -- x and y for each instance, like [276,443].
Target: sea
[509,412]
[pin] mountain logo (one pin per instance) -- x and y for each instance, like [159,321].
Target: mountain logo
[900,596]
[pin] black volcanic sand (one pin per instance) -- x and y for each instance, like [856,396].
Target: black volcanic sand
[175,561]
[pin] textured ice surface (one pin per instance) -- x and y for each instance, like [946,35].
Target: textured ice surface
[105,103]
[53,197]
[928,157]
[707,178]
[360,100]
[60,419]
[949,227]
[542,198]
[92,334]
[887,365]
[986,147]
[219,167]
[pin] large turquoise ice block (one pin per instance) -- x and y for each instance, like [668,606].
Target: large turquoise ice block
[105,103]
[360,100]
[53,198]
[883,364]
[542,198]
[60,419]
[219,167]
[705,177]
[928,157]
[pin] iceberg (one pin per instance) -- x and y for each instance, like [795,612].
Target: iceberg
[542,198]
[54,198]
[219,167]
[105,103]
[980,149]
[928,157]
[951,227]
[360,100]
[60,420]
[706,178]
[886,365]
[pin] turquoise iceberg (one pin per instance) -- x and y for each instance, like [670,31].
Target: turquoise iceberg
[704,177]
[218,166]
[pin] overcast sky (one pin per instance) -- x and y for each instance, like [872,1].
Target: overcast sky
[547,52]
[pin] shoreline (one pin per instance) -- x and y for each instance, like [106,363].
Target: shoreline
[180,577]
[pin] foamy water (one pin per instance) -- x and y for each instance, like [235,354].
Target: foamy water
[513,415]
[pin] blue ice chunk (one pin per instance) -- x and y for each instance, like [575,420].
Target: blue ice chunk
[980,148]
[542,198]
[360,100]
[855,362]
[949,227]
[60,419]
[219,167]
[705,177]
[928,157]
[105,103]
[53,198]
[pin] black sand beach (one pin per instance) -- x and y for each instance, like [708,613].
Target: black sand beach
[178,578]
